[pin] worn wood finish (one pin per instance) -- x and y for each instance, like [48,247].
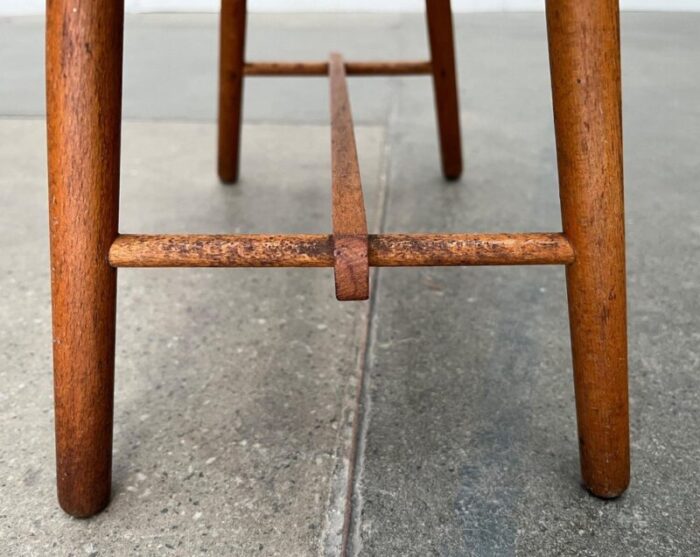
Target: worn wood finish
[440,34]
[350,241]
[231,59]
[411,250]
[585,65]
[272,68]
[316,250]
[83,85]
[219,250]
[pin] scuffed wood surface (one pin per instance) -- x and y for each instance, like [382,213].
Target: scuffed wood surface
[316,250]
[403,250]
[218,250]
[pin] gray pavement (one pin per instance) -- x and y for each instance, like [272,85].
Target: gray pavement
[235,388]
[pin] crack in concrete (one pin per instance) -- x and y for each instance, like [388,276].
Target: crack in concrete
[352,539]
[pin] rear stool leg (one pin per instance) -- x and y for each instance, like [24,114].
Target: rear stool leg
[231,62]
[584,50]
[440,34]
[83,83]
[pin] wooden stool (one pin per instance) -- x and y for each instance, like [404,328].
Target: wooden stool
[84,82]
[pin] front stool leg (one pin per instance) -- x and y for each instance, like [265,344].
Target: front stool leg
[584,52]
[83,84]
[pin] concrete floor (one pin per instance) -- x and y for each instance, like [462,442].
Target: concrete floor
[235,388]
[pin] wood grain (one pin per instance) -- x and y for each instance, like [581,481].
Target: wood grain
[440,34]
[350,241]
[83,86]
[231,59]
[411,250]
[585,65]
[316,250]
[370,68]
[220,250]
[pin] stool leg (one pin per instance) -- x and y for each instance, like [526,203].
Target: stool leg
[231,60]
[440,34]
[83,84]
[584,51]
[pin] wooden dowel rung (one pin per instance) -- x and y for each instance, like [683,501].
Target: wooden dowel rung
[316,250]
[408,67]
[268,69]
[220,250]
[350,239]
[370,68]
[439,250]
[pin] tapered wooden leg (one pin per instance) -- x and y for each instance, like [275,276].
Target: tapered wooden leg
[440,33]
[584,52]
[231,61]
[83,79]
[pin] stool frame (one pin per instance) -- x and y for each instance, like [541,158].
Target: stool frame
[84,43]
